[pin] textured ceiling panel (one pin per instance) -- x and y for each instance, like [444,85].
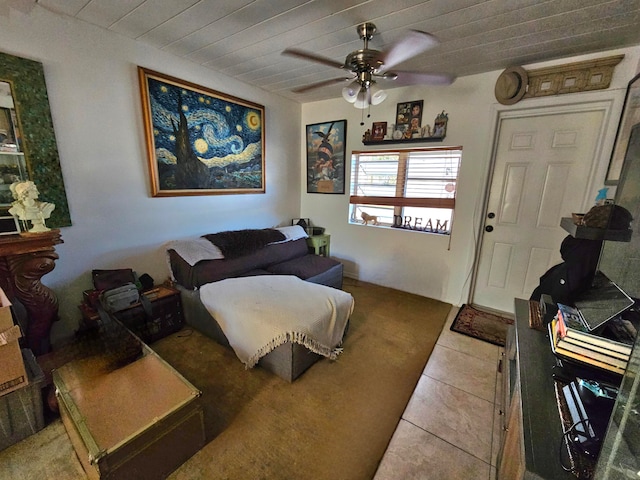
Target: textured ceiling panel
[245,38]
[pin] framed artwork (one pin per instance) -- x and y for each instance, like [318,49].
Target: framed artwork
[9,225]
[22,84]
[378,131]
[409,116]
[630,117]
[303,222]
[8,134]
[440,125]
[200,141]
[326,146]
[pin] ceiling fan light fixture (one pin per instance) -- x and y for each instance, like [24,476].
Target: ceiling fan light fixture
[350,92]
[377,95]
[363,100]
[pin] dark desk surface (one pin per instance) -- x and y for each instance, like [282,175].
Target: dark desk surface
[542,428]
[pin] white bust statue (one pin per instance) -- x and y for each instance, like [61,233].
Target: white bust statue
[27,207]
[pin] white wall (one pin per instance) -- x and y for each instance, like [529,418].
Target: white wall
[93,89]
[426,264]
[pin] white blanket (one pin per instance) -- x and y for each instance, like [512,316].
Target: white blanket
[258,314]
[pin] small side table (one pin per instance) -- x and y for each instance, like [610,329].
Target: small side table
[319,244]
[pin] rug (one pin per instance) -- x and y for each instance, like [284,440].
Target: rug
[482,325]
[334,422]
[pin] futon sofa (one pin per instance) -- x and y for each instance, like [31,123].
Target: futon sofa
[289,257]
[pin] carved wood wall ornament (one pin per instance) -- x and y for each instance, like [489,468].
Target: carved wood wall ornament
[516,83]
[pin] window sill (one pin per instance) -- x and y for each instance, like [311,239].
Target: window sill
[402,229]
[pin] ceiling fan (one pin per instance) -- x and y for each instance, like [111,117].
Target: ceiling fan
[368,66]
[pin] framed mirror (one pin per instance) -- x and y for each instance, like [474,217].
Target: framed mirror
[28,148]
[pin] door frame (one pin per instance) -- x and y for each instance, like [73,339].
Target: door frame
[609,102]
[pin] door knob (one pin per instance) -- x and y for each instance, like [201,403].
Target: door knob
[488,228]
[491,215]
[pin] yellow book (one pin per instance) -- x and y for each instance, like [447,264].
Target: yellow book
[600,341]
[596,348]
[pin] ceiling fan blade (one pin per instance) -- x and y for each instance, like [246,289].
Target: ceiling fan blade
[415,78]
[324,83]
[294,52]
[412,44]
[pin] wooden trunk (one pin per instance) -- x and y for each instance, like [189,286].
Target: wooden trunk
[140,421]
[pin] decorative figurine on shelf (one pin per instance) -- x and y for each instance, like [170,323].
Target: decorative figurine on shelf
[602,196]
[366,218]
[440,125]
[27,207]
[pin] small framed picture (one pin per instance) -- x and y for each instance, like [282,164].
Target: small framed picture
[303,222]
[440,125]
[378,131]
[9,225]
[409,116]
[629,118]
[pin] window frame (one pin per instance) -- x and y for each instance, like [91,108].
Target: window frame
[400,200]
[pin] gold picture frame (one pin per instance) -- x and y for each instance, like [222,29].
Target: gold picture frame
[200,141]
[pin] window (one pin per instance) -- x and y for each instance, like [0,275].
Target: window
[410,189]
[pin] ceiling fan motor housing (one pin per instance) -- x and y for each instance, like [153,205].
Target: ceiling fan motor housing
[364,61]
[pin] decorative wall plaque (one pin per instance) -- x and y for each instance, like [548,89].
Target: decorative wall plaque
[568,78]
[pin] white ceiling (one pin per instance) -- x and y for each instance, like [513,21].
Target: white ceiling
[244,38]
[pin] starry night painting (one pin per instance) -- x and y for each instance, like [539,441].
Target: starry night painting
[199,141]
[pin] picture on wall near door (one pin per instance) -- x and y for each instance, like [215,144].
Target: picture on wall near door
[200,141]
[629,118]
[326,146]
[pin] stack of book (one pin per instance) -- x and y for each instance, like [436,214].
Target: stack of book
[571,340]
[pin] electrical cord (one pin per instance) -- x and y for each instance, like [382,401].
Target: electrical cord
[568,441]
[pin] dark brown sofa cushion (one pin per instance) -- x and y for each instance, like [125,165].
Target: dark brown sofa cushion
[207,271]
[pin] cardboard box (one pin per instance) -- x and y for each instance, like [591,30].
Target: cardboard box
[13,374]
[21,411]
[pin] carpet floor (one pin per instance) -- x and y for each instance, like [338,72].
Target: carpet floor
[335,421]
[482,325]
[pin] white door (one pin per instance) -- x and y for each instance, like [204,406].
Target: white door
[541,174]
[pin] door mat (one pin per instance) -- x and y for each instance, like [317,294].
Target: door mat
[485,326]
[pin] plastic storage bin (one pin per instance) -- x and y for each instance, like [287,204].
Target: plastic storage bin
[21,412]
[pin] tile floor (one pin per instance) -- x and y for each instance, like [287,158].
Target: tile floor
[450,428]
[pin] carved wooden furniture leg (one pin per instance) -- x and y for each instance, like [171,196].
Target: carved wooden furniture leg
[39,300]
[24,260]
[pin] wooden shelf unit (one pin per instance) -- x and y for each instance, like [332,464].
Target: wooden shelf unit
[406,140]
